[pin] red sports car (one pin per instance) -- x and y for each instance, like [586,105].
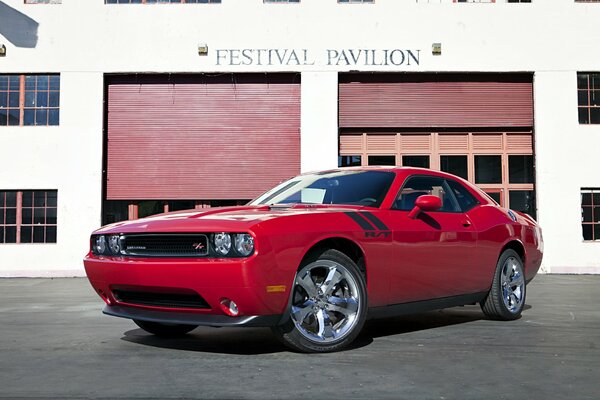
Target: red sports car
[316,256]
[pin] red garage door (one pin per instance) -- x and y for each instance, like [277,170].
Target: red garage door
[201,137]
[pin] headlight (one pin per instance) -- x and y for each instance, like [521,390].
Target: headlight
[244,244]
[222,242]
[114,243]
[100,245]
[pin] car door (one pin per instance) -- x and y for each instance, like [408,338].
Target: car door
[434,253]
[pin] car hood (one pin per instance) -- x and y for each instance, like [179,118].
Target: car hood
[226,219]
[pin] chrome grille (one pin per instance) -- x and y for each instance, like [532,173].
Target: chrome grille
[164,245]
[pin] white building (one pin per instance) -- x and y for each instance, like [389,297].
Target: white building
[112,111]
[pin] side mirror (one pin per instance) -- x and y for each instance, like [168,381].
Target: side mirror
[425,203]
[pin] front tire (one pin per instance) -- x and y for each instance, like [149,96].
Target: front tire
[506,298]
[328,306]
[165,330]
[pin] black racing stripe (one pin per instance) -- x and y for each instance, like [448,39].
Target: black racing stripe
[376,221]
[360,221]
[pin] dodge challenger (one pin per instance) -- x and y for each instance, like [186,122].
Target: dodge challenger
[317,255]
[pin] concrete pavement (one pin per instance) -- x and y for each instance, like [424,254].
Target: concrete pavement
[56,344]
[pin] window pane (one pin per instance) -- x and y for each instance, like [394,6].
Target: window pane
[466,201]
[382,160]
[26,233]
[42,82]
[595,81]
[27,215]
[181,205]
[1,234]
[597,232]
[596,214]
[582,81]
[588,232]
[595,98]
[3,99]
[51,198]
[52,117]
[28,117]
[39,199]
[13,82]
[42,99]
[496,196]
[51,234]
[415,161]
[584,115]
[3,117]
[13,99]
[41,117]
[11,199]
[520,169]
[115,211]
[582,97]
[488,169]
[54,97]
[595,115]
[30,82]
[27,198]
[13,117]
[586,214]
[151,207]
[51,216]
[349,161]
[597,198]
[54,82]
[11,216]
[3,82]
[38,234]
[29,99]
[10,233]
[456,165]
[522,200]
[39,216]
[1,216]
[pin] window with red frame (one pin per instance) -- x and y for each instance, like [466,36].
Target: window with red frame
[588,97]
[28,216]
[29,100]
[590,213]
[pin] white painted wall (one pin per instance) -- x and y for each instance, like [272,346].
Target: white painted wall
[83,39]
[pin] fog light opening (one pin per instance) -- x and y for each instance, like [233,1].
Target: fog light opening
[229,307]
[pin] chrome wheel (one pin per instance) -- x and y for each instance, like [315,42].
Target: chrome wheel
[513,285]
[326,303]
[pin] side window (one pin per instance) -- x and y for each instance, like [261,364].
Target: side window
[420,185]
[466,200]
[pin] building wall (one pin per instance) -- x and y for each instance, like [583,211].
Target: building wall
[83,40]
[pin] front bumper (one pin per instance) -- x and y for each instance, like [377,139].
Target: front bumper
[248,282]
[171,317]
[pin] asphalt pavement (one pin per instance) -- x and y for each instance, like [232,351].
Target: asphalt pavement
[56,344]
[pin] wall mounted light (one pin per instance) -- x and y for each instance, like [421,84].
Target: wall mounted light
[436,49]
[2,50]
[202,49]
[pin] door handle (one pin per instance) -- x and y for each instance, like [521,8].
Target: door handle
[466,223]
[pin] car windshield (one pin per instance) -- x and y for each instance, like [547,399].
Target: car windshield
[367,188]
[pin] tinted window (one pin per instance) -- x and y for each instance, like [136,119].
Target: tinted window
[417,186]
[466,200]
[339,187]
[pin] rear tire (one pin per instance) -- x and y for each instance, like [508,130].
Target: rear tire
[506,298]
[165,330]
[328,306]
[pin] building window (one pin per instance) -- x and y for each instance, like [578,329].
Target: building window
[588,97]
[590,213]
[160,1]
[356,1]
[29,100]
[28,216]
[43,1]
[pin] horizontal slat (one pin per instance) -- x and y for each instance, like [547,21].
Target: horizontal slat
[190,140]
[435,104]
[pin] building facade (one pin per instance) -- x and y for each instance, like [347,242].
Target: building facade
[113,110]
